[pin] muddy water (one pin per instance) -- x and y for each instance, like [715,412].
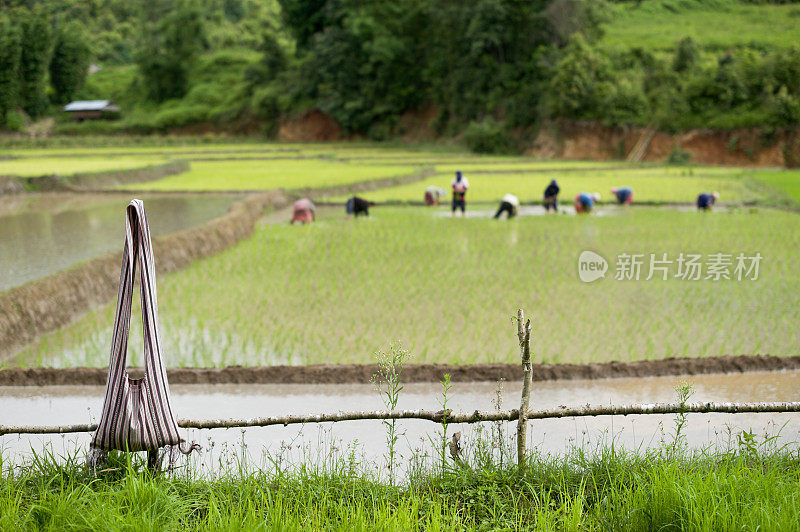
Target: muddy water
[603,210]
[366,439]
[42,234]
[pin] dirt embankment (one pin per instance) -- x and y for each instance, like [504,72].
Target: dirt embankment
[91,181]
[313,125]
[563,139]
[45,305]
[347,373]
[740,147]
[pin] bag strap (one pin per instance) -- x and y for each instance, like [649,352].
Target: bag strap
[137,249]
[138,245]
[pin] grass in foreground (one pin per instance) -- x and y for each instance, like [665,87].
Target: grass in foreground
[606,491]
[338,290]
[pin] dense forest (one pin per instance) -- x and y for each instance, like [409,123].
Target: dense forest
[482,69]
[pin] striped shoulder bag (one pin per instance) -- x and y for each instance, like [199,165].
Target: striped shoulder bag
[137,413]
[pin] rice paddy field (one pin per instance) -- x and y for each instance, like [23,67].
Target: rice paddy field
[341,289]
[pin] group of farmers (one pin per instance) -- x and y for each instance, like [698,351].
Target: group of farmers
[584,202]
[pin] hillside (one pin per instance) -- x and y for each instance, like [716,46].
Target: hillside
[241,66]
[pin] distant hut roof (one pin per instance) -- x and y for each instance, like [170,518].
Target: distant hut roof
[92,105]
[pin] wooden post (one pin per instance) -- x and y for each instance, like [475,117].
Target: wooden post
[524,335]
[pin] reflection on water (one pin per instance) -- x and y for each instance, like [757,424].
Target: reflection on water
[81,404]
[43,234]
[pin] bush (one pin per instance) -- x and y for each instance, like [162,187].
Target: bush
[678,156]
[488,136]
[14,121]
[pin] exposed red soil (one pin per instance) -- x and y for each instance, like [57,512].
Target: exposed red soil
[590,140]
[352,373]
[313,125]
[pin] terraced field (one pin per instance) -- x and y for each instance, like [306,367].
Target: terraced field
[339,290]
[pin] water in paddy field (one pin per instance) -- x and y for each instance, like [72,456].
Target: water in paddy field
[43,234]
[59,405]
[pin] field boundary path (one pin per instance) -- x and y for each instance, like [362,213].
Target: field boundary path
[90,181]
[362,373]
[28,311]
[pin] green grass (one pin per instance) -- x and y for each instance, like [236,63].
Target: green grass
[609,491]
[265,175]
[338,290]
[713,24]
[34,167]
[657,185]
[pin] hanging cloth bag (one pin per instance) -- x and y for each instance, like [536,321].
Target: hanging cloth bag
[137,413]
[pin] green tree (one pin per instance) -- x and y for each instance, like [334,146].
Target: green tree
[37,41]
[10,50]
[686,56]
[70,62]
[576,88]
[169,50]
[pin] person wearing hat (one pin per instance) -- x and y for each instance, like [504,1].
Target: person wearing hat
[706,201]
[433,195]
[304,211]
[459,186]
[584,202]
[624,195]
[509,205]
[551,196]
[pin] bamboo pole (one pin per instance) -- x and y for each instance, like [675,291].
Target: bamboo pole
[524,335]
[452,417]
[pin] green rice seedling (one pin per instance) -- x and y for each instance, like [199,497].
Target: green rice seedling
[650,185]
[444,288]
[267,175]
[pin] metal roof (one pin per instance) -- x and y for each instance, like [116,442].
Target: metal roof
[89,105]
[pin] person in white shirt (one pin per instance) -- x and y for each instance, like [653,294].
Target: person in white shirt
[509,205]
[460,186]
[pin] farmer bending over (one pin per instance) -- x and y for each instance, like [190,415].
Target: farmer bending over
[460,186]
[584,202]
[433,195]
[508,205]
[706,201]
[356,206]
[624,195]
[551,196]
[304,211]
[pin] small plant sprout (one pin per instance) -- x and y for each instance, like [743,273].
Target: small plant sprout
[387,382]
[684,391]
[446,387]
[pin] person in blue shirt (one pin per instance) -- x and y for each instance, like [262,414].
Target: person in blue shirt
[584,202]
[551,196]
[624,195]
[706,201]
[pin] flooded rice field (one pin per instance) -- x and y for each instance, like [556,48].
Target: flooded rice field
[44,233]
[366,440]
